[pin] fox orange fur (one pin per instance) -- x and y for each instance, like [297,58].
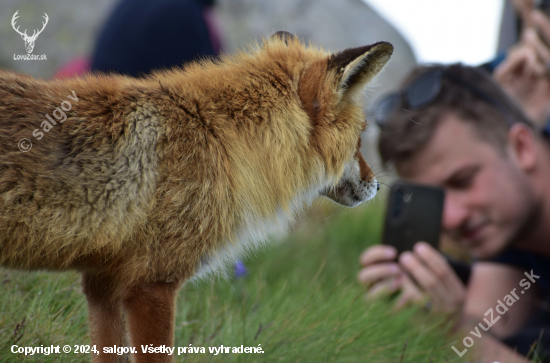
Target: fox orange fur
[152,181]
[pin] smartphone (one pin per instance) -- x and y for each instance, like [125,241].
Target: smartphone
[413,214]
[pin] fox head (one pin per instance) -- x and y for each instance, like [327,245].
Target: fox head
[330,88]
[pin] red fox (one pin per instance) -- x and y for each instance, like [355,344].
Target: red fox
[141,184]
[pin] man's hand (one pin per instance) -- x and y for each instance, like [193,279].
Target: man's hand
[524,74]
[380,271]
[524,8]
[435,277]
[421,275]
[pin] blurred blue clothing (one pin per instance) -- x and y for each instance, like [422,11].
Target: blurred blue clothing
[143,35]
[494,63]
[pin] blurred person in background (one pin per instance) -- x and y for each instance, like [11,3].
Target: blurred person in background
[525,72]
[142,35]
[471,138]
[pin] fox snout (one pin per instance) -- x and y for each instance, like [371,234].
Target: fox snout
[356,185]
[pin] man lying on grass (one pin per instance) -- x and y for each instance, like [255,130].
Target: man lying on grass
[471,139]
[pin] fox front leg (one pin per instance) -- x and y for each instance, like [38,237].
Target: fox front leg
[105,317]
[150,313]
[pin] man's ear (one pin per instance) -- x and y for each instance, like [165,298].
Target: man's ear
[357,66]
[523,145]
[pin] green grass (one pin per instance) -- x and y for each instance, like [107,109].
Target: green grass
[300,301]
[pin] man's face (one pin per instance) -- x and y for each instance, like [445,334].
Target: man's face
[488,197]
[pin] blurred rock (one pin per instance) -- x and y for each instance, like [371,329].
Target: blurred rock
[333,24]
[70,32]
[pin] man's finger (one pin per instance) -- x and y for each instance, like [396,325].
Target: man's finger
[377,272]
[514,62]
[522,64]
[443,271]
[378,253]
[410,293]
[531,38]
[433,259]
[424,277]
[524,8]
[383,288]
[542,24]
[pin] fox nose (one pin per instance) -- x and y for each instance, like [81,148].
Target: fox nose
[377,186]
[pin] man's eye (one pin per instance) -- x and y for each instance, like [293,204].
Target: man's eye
[462,182]
[464,178]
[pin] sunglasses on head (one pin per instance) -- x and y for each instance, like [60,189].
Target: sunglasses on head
[424,91]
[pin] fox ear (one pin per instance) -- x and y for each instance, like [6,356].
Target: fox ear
[285,36]
[357,66]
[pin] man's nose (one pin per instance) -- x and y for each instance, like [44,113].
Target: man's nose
[455,212]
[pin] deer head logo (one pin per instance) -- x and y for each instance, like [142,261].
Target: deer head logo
[29,41]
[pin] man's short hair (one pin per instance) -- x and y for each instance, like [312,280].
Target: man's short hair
[407,131]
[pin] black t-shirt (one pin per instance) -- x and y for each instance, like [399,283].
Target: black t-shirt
[538,328]
[528,261]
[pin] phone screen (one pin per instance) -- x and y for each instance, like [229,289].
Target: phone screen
[413,214]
